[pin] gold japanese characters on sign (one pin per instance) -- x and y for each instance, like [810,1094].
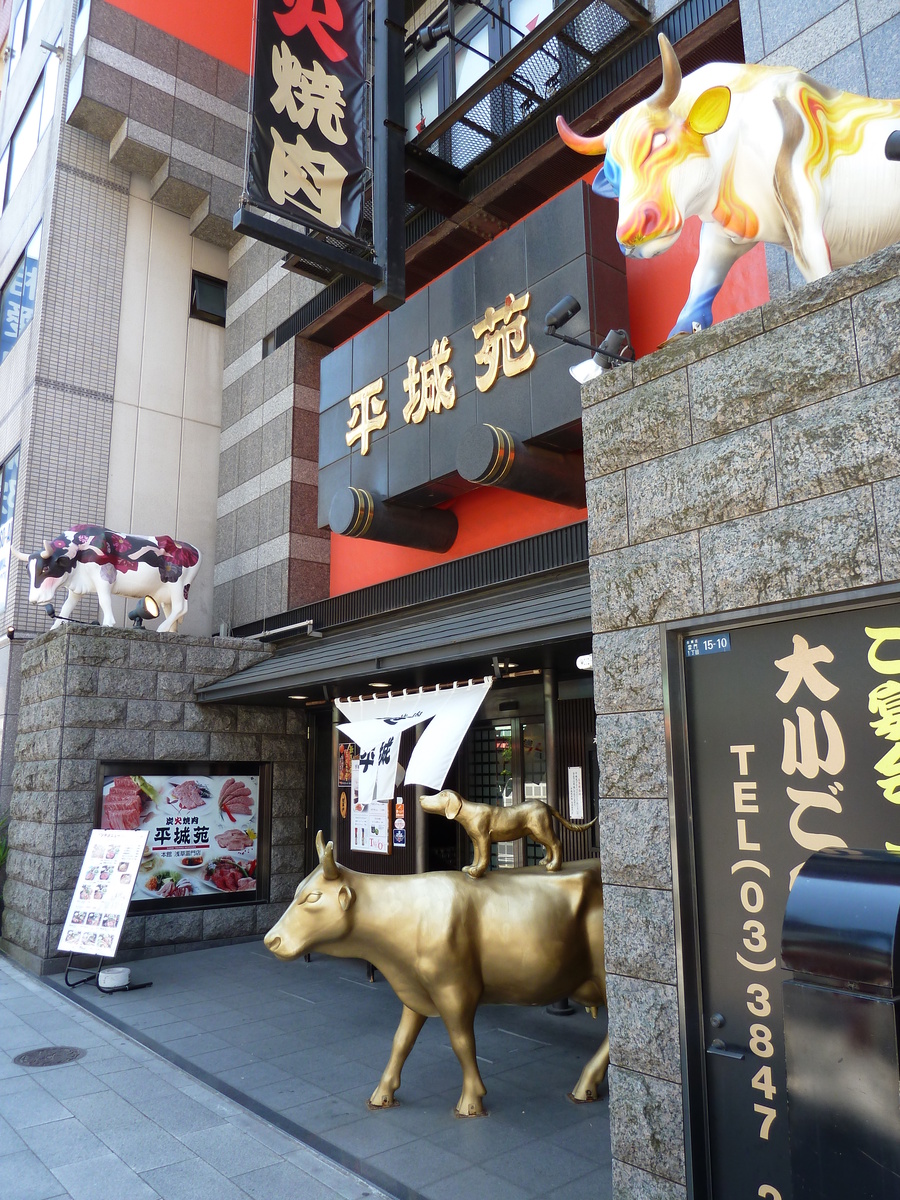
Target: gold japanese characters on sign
[429,382]
[311,179]
[884,703]
[369,413]
[506,346]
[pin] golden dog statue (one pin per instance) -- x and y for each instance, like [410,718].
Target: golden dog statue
[488,823]
[443,943]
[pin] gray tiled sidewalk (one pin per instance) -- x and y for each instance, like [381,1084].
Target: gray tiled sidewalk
[123,1122]
[303,1044]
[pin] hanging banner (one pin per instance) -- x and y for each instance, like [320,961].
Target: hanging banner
[308,131]
[376,724]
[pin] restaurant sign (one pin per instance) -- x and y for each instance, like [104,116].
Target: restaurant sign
[790,745]
[202,834]
[308,132]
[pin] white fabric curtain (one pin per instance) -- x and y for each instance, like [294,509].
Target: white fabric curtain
[376,724]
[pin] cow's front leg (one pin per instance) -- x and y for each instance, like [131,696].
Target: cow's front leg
[404,1039]
[104,599]
[588,1086]
[68,606]
[717,255]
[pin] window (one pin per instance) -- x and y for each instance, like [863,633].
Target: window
[18,295]
[9,473]
[32,126]
[209,298]
[20,27]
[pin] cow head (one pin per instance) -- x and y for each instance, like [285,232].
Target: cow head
[657,162]
[48,568]
[319,914]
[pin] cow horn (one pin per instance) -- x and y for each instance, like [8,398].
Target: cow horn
[584,145]
[326,857]
[671,76]
[19,554]
[47,551]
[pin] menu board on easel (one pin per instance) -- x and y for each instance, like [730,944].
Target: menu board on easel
[103,892]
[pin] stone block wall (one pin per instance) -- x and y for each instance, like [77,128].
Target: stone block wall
[753,463]
[91,695]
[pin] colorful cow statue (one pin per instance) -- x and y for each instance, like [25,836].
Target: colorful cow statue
[760,154]
[87,558]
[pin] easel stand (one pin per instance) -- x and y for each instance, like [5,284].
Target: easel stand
[92,975]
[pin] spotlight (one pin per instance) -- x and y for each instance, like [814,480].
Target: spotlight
[10,632]
[613,350]
[145,610]
[561,313]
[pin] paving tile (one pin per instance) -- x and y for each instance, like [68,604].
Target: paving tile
[428,1164]
[61,1142]
[284,1179]
[474,1182]
[23,1176]
[253,1075]
[373,1135]
[102,1176]
[230,1150]
[145,1146]
[10,1141]
[32,1106]
[193,1180]
[71,1081]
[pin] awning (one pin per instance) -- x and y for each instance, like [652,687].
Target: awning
[533,613]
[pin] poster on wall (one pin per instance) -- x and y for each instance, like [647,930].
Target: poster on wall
[793,746]
[103,892]
[201,831]
[370,819]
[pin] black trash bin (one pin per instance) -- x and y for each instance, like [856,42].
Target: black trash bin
[840,940]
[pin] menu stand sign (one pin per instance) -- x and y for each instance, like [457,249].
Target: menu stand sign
[100,902]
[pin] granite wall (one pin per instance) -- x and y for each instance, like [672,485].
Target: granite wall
[752,463]
[91,695]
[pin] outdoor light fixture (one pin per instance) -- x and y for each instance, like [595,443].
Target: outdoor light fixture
[145,610]
[612,350]
[55,616]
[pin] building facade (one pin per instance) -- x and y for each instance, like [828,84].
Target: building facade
[161,374]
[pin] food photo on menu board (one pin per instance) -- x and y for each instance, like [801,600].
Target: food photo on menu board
[201,832]
[102,892]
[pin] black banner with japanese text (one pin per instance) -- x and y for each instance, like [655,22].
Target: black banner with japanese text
[308,137]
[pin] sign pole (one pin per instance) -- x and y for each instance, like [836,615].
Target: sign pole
[389,184]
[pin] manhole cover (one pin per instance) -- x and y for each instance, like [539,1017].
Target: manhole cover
[48,1056]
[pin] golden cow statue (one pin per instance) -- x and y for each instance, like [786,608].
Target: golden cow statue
[447,943]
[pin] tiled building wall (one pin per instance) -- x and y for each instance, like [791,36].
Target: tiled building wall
[849,44]
[270,556]
[95,695]
[753,463]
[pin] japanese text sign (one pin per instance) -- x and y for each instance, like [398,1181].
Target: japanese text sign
[307,146]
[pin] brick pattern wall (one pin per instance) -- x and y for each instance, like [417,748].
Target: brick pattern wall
[93,695]
[753,463]
[270,555]
[166,111]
